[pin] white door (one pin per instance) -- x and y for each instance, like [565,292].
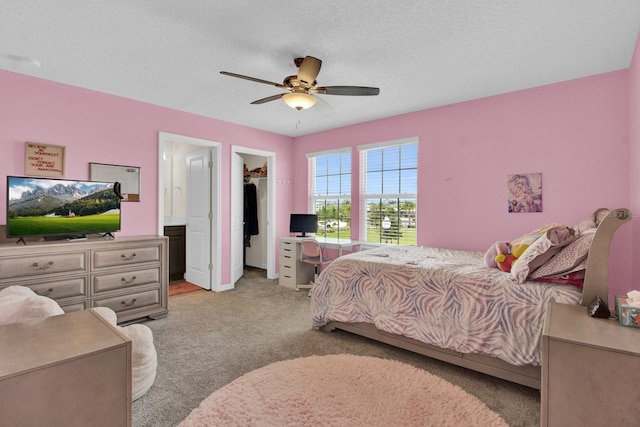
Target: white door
[198,250]
[237,217]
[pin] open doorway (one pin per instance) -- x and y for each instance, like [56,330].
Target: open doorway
[189,199]
[247,249]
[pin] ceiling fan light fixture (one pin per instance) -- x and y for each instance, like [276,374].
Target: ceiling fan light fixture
[299,100]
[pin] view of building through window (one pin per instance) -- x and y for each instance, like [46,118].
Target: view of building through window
[391,221]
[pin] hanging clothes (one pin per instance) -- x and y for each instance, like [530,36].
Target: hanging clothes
[250,213]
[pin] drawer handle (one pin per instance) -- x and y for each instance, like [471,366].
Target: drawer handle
[123,257]
[124,303]
[43,267]
[44,294]
[127,282]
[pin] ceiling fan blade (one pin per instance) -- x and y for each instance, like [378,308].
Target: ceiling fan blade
[253,79]
[308,71]
[347,90]
[268,98]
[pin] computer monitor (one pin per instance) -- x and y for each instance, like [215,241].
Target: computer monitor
[303,224]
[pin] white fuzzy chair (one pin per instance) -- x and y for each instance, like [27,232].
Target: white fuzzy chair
[19,303]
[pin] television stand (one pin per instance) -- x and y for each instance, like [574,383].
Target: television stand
[108,236]
[128,274]
[21,239]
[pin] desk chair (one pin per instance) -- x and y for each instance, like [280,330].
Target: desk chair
[311,253]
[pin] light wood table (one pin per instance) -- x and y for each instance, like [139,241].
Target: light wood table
[590,370]
[68,370]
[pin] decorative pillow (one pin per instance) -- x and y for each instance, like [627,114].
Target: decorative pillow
[568,259]
[541,251]
[534,235]
[575,279]
[584,225]
[592,221]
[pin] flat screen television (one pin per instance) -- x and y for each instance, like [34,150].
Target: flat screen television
[61,208]
[303,224]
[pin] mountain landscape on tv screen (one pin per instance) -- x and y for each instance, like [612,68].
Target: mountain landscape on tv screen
[61,199]
[56,207]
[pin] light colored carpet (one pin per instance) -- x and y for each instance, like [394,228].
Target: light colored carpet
[341,390]
[210,339]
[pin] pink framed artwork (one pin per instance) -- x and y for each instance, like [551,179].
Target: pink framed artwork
[524,192]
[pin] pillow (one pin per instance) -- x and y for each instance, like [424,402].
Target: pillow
[575,278]
[534,235]
[541,251]
[592,221]
[568,259]
[584,225]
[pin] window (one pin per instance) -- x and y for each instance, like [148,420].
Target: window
[388,180]
[330,191]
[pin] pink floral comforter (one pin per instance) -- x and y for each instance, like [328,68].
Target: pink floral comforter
[443,297]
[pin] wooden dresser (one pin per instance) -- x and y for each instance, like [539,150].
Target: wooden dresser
[127,274]
[68,370]
[590,370]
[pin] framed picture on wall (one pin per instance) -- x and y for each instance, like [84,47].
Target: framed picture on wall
[43,159]
[525,192]
[127,176]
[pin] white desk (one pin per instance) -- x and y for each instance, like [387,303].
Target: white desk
[340,244]
[294,272]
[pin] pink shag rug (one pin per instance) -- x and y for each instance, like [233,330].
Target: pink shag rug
[341,390]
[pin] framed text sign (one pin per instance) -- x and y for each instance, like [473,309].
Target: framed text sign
[127,176]
[43,159]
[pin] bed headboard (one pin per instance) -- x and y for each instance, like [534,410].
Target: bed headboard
[596,280]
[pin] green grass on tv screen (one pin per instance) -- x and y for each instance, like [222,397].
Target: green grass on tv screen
[41,225]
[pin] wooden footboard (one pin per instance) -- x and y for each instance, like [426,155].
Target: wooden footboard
[526,375]
[596,280]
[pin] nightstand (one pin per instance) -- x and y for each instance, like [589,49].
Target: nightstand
[590,370]
[68,370]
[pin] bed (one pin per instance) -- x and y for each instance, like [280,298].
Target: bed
[450,305]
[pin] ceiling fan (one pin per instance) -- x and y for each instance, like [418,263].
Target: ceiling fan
[303,86]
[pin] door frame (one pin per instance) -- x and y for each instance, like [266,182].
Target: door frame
[271,204]
[216,177]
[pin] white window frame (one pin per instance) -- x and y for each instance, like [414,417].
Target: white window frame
[313,197]
[365,197]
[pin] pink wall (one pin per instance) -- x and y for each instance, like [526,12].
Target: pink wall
[96,127]
[574,133]
[577,134]
[634,160]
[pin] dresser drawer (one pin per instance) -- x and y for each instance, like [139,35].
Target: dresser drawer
[126,256]
[287,248]
[287,271]
[125,279]
[60,288]
[76,306]
[287,260]
[146,299]
[38,265]
[287,281]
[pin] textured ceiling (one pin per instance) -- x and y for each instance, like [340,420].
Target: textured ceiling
[420,53]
